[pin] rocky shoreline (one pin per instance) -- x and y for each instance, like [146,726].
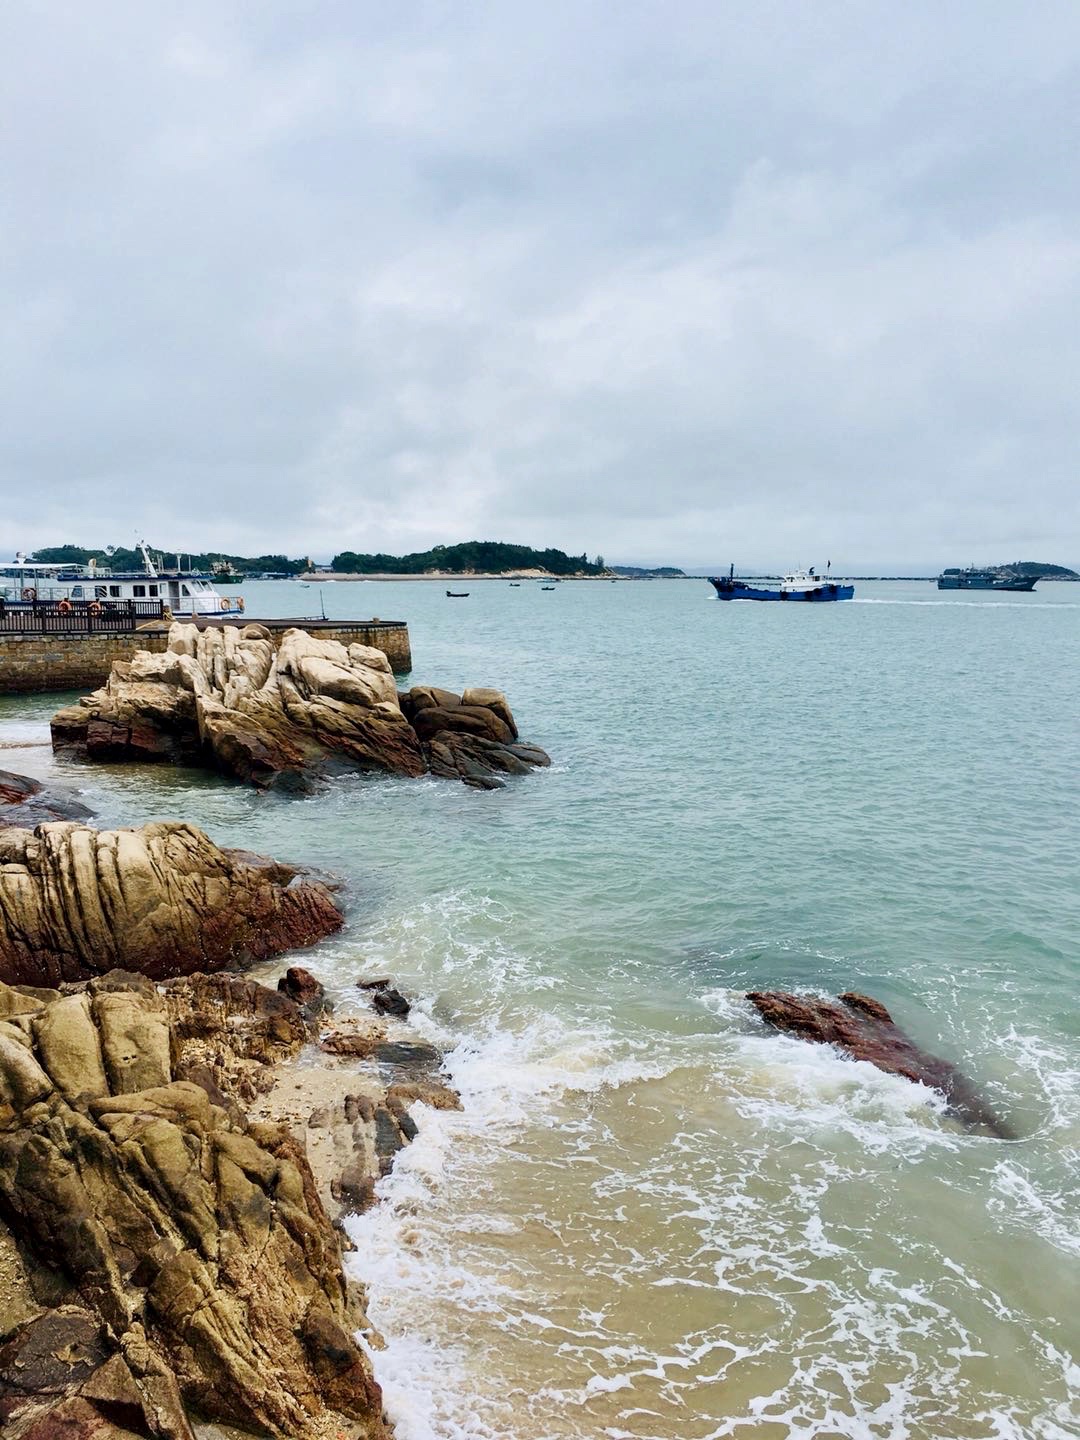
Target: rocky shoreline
[171,1168]
[179,1142]
[286,717]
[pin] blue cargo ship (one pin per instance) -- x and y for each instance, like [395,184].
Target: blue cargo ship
[798,586]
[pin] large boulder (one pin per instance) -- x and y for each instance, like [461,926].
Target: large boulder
[171,1256]
[861,1027]
[224,697]
[471,737]
[162,899]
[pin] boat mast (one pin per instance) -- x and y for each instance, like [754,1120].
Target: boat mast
[148,564]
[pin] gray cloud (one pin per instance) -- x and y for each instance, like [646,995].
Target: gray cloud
[671,283]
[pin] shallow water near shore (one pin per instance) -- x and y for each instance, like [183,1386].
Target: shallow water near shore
[654,1218]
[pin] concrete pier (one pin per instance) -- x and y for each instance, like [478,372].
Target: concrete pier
[34,663]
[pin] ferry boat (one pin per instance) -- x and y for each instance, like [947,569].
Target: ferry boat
[799,585]
[25,582]
[975,579]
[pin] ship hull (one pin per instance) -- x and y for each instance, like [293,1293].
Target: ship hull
[1020,583]
[727,589]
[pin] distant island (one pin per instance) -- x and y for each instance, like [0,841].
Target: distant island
[473,557]
[1034,567]
[659,572]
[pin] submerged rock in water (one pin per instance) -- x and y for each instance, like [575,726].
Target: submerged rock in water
[179,1257]
[27,802]
[224,697]
[864,1029]
[162,899]
[385,998]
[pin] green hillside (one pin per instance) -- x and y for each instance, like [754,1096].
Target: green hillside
[472,557]
[1035,567]
[117,557]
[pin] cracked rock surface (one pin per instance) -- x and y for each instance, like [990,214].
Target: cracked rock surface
[162,899]
[168,1256]
[224,697]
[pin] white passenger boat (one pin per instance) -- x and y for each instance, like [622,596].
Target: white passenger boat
[184,593]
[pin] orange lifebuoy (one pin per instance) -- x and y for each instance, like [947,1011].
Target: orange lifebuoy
[240,604]
[29,593]
[93,608]
[224,604]
[64,607]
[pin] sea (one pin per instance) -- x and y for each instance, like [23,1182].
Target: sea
[654,1218]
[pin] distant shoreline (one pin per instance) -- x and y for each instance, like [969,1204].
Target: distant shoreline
[328,577]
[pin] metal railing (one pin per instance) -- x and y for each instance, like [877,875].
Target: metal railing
[77,617]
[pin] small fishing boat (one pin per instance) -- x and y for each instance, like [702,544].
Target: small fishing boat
[547,587]
[515,584]
[799,585]
[457,594]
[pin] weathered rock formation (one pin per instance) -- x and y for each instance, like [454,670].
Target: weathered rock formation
[27,802]
[223,697]
[864,1029]
[167,1256]
[162,899]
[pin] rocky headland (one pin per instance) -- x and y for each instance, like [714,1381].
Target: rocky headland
[223,697]
[862,1027]
[167,1253]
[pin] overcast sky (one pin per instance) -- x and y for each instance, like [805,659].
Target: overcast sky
[682,282]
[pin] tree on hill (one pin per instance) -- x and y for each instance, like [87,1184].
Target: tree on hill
[1033,567]
[470,557]
[119,557]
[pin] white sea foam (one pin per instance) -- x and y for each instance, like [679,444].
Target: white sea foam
[969,604]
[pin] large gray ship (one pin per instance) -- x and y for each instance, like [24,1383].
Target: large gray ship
[973,579]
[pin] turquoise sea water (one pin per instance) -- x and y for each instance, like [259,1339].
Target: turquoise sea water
[654,1218]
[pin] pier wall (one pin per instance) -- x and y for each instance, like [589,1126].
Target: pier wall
[31,663]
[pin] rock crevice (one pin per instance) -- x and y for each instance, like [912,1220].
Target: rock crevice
[192,1264]
[162,899]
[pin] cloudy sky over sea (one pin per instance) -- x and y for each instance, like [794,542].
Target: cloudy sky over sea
[773,282]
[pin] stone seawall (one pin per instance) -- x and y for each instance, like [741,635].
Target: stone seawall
[31,663]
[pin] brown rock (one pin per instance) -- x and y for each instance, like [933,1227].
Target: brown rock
[493,700]
[223,697]
[300,985]
[360,1043]
[201,1268]
[385,999]
[864,1029]
[477,761]
[421,697]
[465,720]
[26,802]
[163,899]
